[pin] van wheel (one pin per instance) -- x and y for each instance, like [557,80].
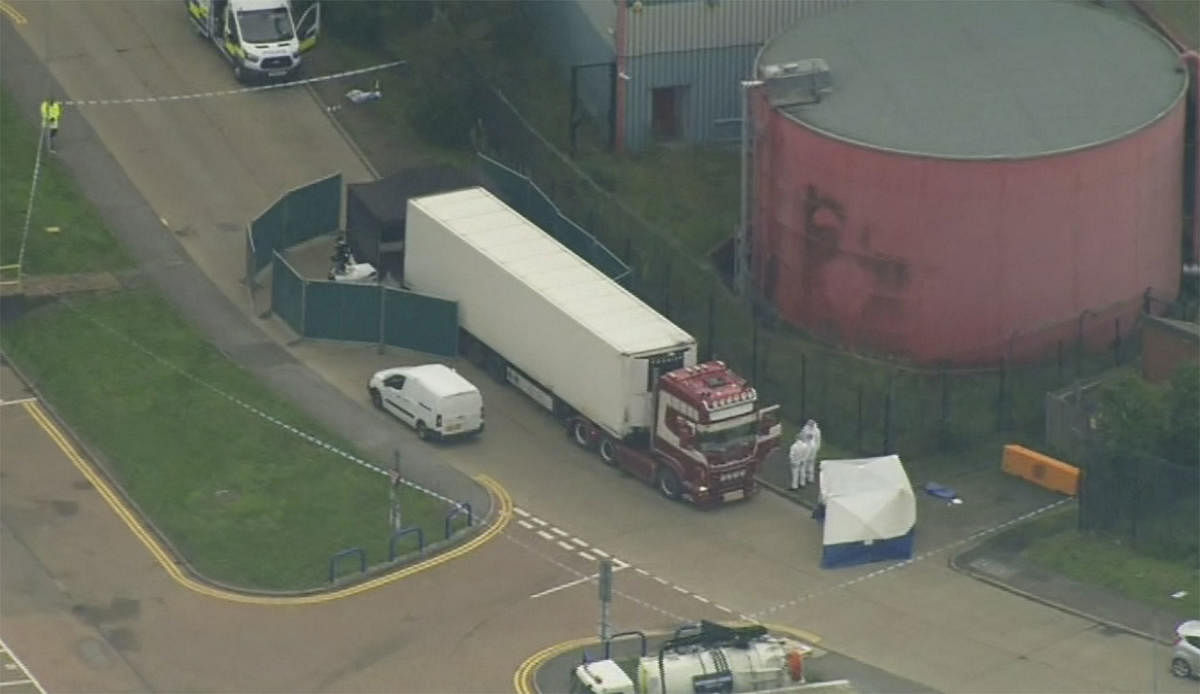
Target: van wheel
[1180,668]
[668,483]
[239,74]
[423,432]
[608,451]
[376,398]
[581,433]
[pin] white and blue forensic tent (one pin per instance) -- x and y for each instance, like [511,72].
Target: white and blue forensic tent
[870,511]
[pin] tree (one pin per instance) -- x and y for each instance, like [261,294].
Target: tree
[1132,417]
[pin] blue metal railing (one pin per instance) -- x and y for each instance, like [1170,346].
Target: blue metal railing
[464,507]
[401,533]
[333,561]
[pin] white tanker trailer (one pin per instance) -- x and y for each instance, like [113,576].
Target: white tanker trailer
[715,660]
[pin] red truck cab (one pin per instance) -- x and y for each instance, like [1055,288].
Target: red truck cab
[709,437]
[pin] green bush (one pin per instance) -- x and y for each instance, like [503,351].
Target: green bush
[449,88]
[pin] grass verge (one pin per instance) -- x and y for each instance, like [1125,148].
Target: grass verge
[247,502]
[82,243]
[1054,542]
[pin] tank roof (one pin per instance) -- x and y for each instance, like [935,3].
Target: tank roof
[981,79]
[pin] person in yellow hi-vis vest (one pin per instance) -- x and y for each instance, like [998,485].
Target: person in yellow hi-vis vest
[51,112]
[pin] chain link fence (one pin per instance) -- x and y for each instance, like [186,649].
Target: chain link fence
[1150,502]
[864,402]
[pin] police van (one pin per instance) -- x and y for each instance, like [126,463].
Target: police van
[260,38]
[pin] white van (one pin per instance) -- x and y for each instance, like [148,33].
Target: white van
[433,398]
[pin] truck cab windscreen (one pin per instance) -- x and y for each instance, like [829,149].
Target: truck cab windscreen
[727,438]
[266,26]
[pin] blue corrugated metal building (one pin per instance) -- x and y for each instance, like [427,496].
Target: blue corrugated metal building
[680,61]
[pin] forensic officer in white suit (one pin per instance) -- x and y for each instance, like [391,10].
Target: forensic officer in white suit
[797,458]
[811,433]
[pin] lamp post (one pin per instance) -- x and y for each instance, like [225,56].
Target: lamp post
[741,246]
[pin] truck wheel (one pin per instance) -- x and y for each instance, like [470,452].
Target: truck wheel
[376,398]
[668,482]
[582,433]
[608,451]
[423,432]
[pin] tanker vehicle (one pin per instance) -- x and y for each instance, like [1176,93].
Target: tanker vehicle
[706,660]
[621,377]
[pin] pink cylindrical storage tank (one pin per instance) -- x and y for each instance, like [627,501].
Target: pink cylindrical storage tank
[979,180]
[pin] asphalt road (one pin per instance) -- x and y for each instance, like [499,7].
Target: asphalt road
[205,167]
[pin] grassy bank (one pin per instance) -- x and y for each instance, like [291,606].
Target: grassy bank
[82,243]
[1053,542]
[247,502]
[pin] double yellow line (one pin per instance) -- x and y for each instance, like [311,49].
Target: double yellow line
[16,17]
[498,493]
[523,678]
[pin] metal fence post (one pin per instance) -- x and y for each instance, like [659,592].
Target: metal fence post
[858,436]
[1001,418]
[754,347]
[889,403]
[1117,343]
[382,312]
[606,573]
[303,308]
[803,385]
[944,419]
[712,298]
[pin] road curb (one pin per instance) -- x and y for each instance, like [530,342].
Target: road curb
[784,493]
[953,563]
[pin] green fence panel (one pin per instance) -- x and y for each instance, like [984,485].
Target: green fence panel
[570,234]
[423,323]
[312,210]
[524,196]
[287,294]
[267,232]
[342,311]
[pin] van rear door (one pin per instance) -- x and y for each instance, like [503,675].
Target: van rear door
[461,412]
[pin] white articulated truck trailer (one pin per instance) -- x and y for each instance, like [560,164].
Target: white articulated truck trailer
[622,377]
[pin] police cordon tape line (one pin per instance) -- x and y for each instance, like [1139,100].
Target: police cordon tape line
[33,184]
[233,92]
[908,562]
[245,405]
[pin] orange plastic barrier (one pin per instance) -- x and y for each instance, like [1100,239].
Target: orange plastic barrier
[1041,469]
